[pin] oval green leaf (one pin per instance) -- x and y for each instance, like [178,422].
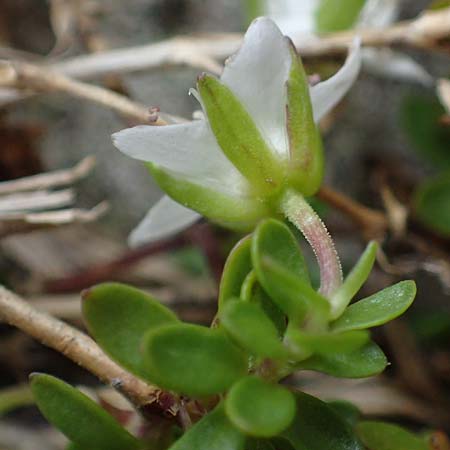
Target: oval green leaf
[118,316]
[237,267]
[83,421]
[387,436]
[252,329]
[326,343]
[346,410]
[377,309]
[317,426]
[364,362]
[192,360]
[213,432]
[259,408]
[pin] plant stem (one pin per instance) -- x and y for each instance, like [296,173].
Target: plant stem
[300,213]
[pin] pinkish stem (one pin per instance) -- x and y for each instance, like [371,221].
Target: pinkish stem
[300,213]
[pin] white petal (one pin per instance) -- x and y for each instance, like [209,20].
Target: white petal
[189,150]
[325,95]
[257,75]
[396,65]
[164,219]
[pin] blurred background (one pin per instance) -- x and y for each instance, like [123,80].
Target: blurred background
[387,178]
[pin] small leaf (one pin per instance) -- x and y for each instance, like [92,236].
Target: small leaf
[118,316]
[337,15]
[78,417]
[192,359]
[377,309]
[273,238]
[238,136]
[250,327]
[259,408]
[354,280]
[326,343]
[317,426]
[213,432]
[386,436]
[364,362]
[346,410]
[432,203]
[236,269]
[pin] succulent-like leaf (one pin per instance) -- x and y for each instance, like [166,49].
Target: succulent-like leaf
[354,280]
[236,269]
[118,316]
[305,144]
[346,410]
[252,329]
[377,309]
[387,436]
[326,343]
[192,359]
[213,432]
[238,136]
[363,362]
[78,417]
[317,426]
[259,408]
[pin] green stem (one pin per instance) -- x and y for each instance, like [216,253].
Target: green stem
[300,213]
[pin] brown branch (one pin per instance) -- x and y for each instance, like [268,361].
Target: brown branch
[74,344]
[24,76]
[372,221]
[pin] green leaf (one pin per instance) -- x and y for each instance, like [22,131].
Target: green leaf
[305,144]
[238,136]
[259,408]
[354,280]
[317,426]
[192,359]
[236,269]
[421,121]
[432,203]
[337,15]
[386,436]
[78,417]
[118,316]
[252,329]
[377,309]
[213,432]
[364,362]
[274,239]
[346,410]
[326,343]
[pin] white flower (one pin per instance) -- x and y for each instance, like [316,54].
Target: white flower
[208,171]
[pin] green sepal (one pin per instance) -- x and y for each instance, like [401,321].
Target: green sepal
[192,360]
[259,408]
[213,432]
[78,417]
[306,161]
[238,136]
[252,329]
[317,426]
[118,316]
[387,436]
[377,309]
[432,203]
[234,212]
[364,362]
[337,15]
[354,280]
[237,267]
[325,343]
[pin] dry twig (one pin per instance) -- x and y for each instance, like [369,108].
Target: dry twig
[75,345]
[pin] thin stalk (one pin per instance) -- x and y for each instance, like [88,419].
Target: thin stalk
[299,212]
